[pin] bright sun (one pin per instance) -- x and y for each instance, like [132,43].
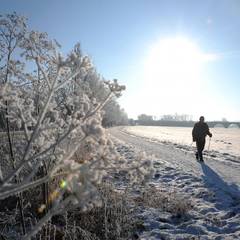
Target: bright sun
[174,75]
[175,61]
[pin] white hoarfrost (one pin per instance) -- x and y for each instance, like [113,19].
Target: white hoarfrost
[52,123]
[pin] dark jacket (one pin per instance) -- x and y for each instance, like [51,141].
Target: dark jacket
[200,131]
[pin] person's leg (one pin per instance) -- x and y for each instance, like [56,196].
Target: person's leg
[198,144]
[196,154]
[201,145]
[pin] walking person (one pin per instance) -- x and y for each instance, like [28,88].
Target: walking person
[199,133]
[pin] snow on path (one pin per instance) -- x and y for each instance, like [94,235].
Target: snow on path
[224,140]
[213,186]
[216,170]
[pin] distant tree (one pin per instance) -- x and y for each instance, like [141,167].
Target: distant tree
[176,117]
[113,114]
[131,121]
[168,118]
[145,117]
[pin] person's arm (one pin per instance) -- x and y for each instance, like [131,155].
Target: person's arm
[208,132]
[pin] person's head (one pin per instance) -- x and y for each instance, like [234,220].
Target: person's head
[201,119]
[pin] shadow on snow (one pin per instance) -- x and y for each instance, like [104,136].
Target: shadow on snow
[227,194]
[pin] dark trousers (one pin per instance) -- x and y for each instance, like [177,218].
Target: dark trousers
[200,143]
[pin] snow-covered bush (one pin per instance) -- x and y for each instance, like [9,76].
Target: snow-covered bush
[114,115]
[47,100]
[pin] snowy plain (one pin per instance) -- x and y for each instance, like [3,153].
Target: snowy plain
[225,140]
[210,189]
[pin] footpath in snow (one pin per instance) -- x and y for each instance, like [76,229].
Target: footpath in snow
[186,199]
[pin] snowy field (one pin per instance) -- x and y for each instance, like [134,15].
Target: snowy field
[185,200]
[224,140]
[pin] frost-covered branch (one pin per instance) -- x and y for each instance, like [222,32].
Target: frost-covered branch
[63,205]
[42,71]
[25,129]
[56,104]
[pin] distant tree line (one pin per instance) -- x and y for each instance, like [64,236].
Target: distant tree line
[167,117]
[180,120]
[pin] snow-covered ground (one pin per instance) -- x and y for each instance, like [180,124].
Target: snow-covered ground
[208,193]
[224,140]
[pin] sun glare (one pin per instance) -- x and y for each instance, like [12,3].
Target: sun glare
[173,71]
[175,60]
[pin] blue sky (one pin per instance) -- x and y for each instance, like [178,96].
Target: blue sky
[119,36]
